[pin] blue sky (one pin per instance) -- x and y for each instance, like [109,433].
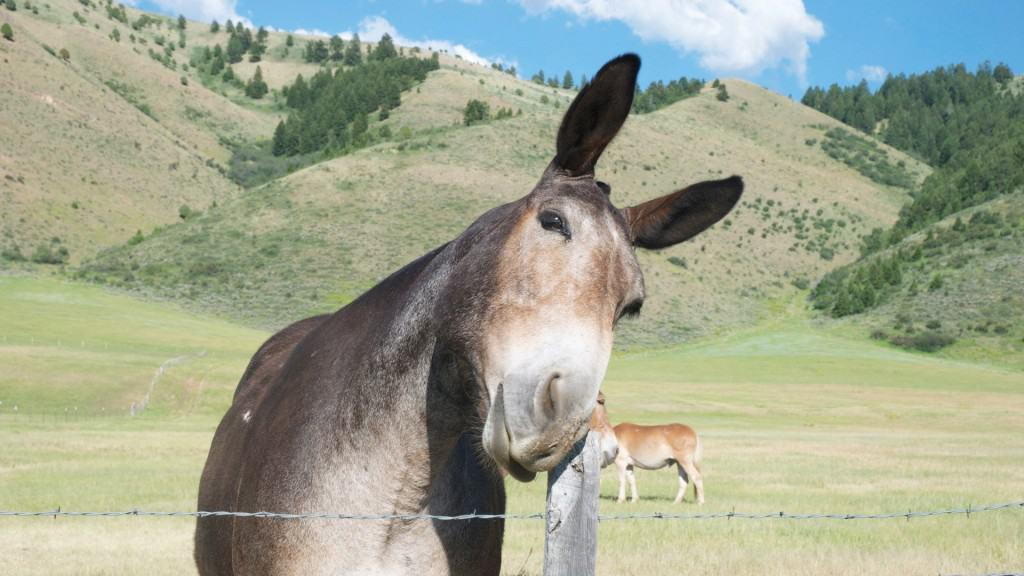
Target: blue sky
[785,45]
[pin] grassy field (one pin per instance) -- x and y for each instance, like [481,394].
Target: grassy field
[793,416]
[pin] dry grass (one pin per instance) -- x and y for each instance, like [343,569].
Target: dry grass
[82,163]
[792,417]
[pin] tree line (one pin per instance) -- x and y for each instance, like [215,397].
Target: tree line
[331,110]
[337,51]
[659,95]
[969,126]
[241,41]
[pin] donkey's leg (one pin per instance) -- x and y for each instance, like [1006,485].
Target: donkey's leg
[694,473]
[682,484]
[632,484]
[621,465]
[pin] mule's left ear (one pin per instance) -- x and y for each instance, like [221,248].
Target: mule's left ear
[679,216]
[596,115]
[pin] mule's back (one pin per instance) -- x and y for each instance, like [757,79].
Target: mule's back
[218,488]
[656,446]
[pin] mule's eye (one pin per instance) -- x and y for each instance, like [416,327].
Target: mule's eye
[553,221]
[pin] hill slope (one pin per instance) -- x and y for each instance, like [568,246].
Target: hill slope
[958,285]
[315,239]
[93,148]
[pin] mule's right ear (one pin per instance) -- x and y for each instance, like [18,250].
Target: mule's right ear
[596,115]
[676,217]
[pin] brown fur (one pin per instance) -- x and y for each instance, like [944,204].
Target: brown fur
[485,354]
[654,447]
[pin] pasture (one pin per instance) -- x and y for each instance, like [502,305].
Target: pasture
[793,417]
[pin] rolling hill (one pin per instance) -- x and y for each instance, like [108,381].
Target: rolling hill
[106,142]
[958,288]
[316,238]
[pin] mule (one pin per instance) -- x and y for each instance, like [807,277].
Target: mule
[655,447]
[600,424]
[650,448]
[485,354]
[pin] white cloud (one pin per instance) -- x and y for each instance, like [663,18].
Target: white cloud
[313,32]
[203,10]
[867,72]
[372,28]
[728,35]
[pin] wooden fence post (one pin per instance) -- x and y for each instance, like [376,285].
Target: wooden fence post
[570,545]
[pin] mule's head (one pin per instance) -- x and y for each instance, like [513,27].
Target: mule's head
[564,272]
[600,424]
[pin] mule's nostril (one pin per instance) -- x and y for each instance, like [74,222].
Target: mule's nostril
[551,398]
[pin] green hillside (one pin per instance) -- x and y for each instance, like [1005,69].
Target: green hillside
[106,142]
[958,287]
[947,275]
[314,239]
[317,238]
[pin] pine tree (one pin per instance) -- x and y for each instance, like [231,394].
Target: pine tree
[385,49]
[245,35]
[297,95]
[7,31]
[289,41]
[1002,73]
[280,146]
[235,49]
[229,27]
[216,65]
[337,48]
[723,94]
[182,23]
[353,52]
[476,112]
[214,27]
[567,82]
[256,88]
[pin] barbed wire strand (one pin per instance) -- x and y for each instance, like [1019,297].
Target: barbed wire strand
[534,516]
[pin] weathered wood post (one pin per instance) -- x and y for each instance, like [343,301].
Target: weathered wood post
[570,545]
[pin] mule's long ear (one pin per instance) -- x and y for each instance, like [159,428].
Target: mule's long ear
[671,219]
[596,115]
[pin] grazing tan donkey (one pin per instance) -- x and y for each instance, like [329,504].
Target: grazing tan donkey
[485,353]
[649,448]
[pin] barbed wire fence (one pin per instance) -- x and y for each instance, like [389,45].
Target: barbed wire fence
[967,511]
[907,515]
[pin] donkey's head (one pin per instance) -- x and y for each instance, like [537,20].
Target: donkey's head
[563,272]
[600,424]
